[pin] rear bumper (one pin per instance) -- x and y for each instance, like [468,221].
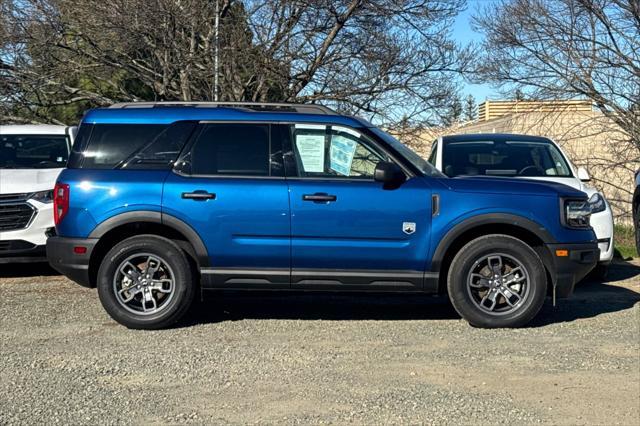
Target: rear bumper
[63,258]
[568,270]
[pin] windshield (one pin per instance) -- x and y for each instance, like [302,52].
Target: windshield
[503,158]
[407,153]
[33,151]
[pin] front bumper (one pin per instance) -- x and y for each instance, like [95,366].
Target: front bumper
[602,224]
[566,271]
[64,259]
[21,251]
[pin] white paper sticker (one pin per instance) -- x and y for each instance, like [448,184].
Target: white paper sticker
[341,154]
[311,149]
[345,130]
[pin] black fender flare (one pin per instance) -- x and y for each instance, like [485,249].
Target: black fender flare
[486,219]
[160,218]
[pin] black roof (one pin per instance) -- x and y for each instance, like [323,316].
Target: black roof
[497,137]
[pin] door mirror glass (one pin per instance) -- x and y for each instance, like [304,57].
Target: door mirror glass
[583,175]
[389,173]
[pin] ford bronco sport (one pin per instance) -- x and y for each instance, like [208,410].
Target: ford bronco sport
[163,201]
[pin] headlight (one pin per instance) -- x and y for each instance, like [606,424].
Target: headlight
[577,213]
[597,203]
[42,196]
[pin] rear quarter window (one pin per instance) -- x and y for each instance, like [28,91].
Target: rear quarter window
[110,145]
[129,146]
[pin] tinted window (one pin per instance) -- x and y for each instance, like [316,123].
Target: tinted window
[112,144]
[503,158]
[33,151]
[333,151]
[434,152]
[162,151]
[231,149]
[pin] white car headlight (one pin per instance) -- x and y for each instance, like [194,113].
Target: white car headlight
[577,214]
[597,203]
[42,196]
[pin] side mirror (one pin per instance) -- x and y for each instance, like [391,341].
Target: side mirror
[583,175]
[389,174]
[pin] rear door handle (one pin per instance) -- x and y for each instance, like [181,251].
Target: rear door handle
[198,195]
[319,197]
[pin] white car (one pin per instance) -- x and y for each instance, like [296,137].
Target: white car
[530,157]
[31,157]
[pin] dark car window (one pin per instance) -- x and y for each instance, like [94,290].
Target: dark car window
[503,158]
[161,152]
[33,151]
[230,149]
[111,144]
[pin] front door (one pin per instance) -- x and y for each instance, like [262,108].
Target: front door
[348,231]
[230,188]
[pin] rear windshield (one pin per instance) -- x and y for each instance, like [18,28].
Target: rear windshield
[33,151]
[503,158]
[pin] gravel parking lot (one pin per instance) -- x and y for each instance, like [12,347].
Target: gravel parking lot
[317,359]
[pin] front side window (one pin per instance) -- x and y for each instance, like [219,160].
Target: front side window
[230,149]
[333,152]
[503,158]
[33,151]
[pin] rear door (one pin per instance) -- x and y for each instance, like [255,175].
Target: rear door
[348,231]
[229,186]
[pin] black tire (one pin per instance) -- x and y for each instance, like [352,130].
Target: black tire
[176,303]
[600,272]
[636,221]
[469,301]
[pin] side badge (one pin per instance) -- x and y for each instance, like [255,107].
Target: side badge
[408,227]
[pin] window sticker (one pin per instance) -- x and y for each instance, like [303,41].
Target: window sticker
[311,150]
[341,154]
[345,130]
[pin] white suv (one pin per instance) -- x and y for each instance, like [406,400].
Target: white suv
[522,156]
[31,157]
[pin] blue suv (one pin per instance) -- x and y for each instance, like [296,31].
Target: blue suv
[163,201]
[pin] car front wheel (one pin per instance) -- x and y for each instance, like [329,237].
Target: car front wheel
[497,281]
[145,282]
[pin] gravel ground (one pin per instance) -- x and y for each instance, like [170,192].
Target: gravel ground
[317,359]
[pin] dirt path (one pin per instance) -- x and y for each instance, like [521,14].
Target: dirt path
[318,359]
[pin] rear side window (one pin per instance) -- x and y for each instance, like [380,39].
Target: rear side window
[110,145]
[162,151]
[230,149]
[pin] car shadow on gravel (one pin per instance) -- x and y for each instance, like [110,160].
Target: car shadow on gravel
[319,306]
[20,270]
[591,298]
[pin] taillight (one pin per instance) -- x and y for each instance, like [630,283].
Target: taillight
[60,201]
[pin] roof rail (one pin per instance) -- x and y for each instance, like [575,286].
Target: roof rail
[253,106]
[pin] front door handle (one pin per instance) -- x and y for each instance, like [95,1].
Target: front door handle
[198,195]
[319,197]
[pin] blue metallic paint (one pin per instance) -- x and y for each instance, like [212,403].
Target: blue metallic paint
[362,229]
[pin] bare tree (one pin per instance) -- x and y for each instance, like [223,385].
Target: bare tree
[385,59]
[561,49]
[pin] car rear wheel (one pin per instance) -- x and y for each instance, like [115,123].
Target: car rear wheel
[145,282]
[497,281]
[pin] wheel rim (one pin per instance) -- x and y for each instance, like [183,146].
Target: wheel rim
[498,284]
[144,284]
